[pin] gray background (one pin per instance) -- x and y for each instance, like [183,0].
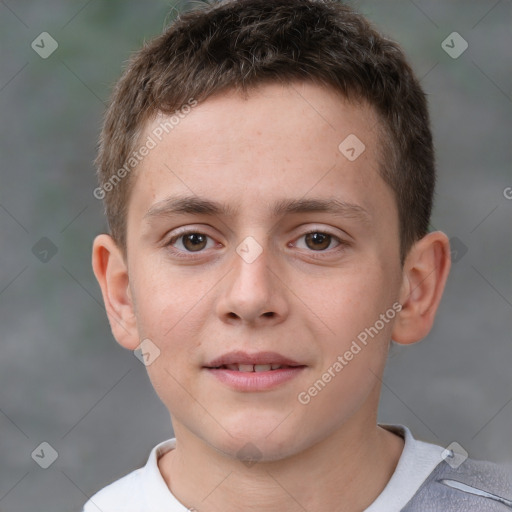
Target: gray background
[63,378]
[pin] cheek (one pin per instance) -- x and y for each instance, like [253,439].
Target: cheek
[354,352]
[164,317]
[165,298]
[350,300]
[358,310]
[170,318]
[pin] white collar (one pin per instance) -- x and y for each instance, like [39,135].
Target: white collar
[416,463]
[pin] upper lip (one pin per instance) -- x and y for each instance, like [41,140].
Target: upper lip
[240,357]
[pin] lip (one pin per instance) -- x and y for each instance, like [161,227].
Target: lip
[241,357]
[254,381]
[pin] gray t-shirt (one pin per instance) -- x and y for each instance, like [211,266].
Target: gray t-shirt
[428,478]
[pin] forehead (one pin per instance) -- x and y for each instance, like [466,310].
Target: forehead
[282,141]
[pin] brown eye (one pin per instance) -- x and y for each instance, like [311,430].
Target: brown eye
[194,241]
[318,241]
[189,242]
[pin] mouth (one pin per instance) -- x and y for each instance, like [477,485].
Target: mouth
[246,362]
[238,367]
[254,372]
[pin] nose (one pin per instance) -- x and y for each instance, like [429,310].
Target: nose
[254,293]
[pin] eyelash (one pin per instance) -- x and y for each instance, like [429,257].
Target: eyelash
[342,244]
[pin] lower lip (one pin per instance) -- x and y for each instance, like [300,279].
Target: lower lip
[255,381]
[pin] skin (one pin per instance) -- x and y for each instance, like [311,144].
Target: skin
[306,303]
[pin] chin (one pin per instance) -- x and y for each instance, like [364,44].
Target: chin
[250,451]
[257,439]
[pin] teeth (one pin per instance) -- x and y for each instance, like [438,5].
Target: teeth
[253,367]
[262,367]
[245,368]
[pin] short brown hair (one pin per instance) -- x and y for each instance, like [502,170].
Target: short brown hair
[240,44]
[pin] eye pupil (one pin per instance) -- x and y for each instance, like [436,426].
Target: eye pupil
[319,240]
[196,239]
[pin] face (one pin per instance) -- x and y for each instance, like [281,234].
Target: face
[285,253]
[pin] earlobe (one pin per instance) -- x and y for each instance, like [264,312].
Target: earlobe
[111,271]
[425,273]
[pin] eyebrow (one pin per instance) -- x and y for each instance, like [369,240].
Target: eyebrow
[194,205]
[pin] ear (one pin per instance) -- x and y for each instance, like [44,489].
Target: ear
[111,271]
[425,271]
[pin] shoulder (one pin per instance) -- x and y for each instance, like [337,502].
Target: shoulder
[124,495]
[141,490]
[470,487]
[430,478]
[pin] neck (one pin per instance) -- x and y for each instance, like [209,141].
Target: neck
[344,473]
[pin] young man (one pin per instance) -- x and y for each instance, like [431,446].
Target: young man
[268,171]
